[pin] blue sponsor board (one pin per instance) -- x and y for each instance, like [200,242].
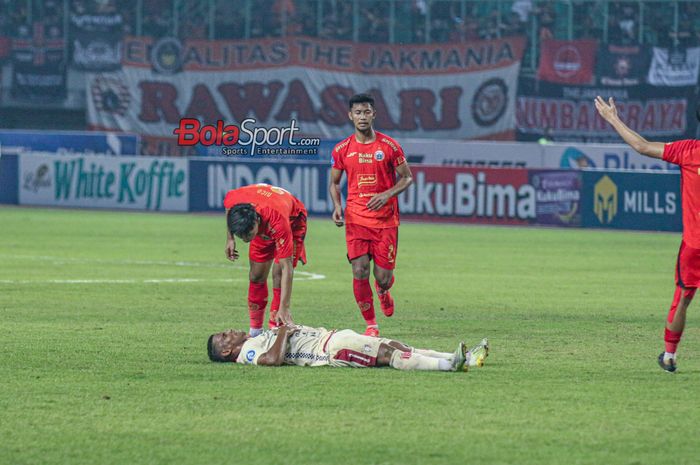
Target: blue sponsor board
[8,179]
[631,200]
[210,179]
[69,142]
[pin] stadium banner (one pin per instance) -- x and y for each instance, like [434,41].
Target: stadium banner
[568,112]
[96,41]
[558,197]
[601,156]
[211,179]
[631,200]
[469,195]
[674,67]
[8,178]
[622,65]
[97,181]
[458,91]
[473,154]
[39,71]
[69,142]
[567,61]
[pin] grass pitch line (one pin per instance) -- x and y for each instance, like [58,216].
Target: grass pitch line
[116,281]
[299,275]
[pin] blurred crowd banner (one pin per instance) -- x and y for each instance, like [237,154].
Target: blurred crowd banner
[39,66]
[97,41]
[67,142]
[460,90]
[674,68]
[567,112]
[565,198]
[568,61]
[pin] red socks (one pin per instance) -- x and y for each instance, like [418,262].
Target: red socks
[365,300]
[274,307]
[671,340]
[257,301]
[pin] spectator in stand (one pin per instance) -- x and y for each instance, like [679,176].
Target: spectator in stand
[624,25]
[546,18]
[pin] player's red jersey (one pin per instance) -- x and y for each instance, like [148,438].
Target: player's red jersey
[278,210]
[370,169]
[686,154]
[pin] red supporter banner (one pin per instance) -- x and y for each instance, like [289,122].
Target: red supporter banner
[456,91]
[4,47]
[567,61]
[469,195]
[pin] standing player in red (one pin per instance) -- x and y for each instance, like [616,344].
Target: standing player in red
[274,222]
[686,154]
[371,160]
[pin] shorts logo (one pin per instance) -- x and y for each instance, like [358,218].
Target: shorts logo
[367,349]
[391,255]
[405,355]
[379,155]
[366,180]
[250,355]
[605,200]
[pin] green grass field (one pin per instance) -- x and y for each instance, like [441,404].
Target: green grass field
[104,319]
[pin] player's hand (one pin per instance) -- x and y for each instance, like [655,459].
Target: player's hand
[607,110]
[378,201]
[284,317]
[338,216]
[231,252]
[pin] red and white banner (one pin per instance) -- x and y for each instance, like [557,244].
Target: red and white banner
[567,61]
[458,91]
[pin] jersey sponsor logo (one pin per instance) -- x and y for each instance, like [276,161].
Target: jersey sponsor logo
[389,143]
[250,355]
[340,146]
[379,155]
[366,158]
[605,200]
[366,180]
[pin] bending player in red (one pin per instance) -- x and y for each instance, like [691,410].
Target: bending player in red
[274,222]
[371,160]
[686,154]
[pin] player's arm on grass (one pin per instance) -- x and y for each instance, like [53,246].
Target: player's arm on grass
[334,189]
[608,111]
[405,180]
[275,356]
[231,252]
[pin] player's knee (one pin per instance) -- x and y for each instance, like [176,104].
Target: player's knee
[257,276]
[384,281]
[360,271]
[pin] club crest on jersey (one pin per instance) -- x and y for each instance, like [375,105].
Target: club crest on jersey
[379,155]
[250,355]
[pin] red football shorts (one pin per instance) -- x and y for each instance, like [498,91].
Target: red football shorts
[381,244]
[688,267]
[262,250]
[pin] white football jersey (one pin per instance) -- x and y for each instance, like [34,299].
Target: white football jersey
[305,348]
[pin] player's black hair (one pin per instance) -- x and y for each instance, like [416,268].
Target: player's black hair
[241,219]
[214,355]
[360,98]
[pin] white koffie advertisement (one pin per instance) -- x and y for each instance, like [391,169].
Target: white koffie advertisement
[93,181]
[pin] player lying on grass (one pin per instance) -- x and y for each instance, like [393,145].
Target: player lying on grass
[306,346]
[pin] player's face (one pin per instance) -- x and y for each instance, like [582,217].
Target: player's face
[229,340]
[362,116]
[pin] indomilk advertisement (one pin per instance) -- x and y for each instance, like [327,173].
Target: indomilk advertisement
[458,91]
